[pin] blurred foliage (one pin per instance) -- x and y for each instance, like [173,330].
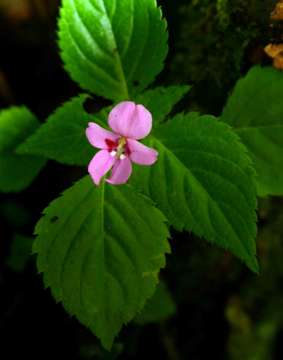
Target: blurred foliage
[20,252]
[255,312]
[217,39]
[14,213]
[158,308]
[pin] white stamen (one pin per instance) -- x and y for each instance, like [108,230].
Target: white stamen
[113,153]
[122,157]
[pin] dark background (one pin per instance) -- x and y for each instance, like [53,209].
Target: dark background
[223,310]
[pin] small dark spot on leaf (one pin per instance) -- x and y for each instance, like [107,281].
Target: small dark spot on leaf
[95,104]
[136,83]
[54,219]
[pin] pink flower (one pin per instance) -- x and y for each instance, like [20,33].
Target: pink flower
[129,122]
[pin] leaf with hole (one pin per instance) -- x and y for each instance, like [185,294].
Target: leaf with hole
[102,255]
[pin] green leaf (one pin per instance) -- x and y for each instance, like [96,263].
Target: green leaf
[17,171]
[113,48]
[203,182]
[62,137]
[255,110]
[161,100]
[100,250]
[158,308]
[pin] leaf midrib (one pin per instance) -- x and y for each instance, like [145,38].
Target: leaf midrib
[116,53]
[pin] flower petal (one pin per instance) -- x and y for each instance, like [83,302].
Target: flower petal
[101,163]
[121,172]
[97,135]
[130,120]
[141,154]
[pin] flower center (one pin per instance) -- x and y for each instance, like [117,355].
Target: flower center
[119,149]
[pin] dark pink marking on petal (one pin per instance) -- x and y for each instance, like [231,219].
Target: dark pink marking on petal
[97,135]
[111,145]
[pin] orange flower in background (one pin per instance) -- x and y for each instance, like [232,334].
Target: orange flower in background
[277,13]
[18,11]
[275,51]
